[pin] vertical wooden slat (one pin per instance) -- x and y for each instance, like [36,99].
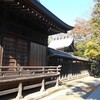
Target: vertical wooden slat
[1,51]
[19,95]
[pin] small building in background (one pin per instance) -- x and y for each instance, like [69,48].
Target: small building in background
[72,66]
[62,41]
[60,47]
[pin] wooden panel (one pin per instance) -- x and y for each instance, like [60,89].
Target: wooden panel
[15,51]
[22,52]
[44,57]
[9,45]
[38,55]
[32,54]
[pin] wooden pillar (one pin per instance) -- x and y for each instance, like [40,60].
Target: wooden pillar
[82,69]
[43,85]
[19,95]
[1,51]
[71,68]
[57,80]
[4,15]
[43,82]
[65,70]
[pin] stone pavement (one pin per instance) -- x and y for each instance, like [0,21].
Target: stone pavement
[80,89]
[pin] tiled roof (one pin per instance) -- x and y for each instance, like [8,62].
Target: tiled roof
[65,55]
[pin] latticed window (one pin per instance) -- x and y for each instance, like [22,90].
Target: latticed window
[15,51]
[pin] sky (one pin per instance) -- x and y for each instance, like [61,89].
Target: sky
[69,10]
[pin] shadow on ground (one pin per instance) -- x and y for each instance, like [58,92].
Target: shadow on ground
[84,92]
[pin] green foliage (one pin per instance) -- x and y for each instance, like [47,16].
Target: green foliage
[92,50]
[93,46]
[95,26]
[95,21]
[81,47]
[93,64]
[96,10]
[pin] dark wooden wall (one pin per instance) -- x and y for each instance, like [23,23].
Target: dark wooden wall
[15,51]
[12,22]
[23,42]
[69,66]
[38,54]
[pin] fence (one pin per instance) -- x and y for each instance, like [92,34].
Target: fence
[19,75]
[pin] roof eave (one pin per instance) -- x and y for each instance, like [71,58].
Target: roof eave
[48,18]
[50,15]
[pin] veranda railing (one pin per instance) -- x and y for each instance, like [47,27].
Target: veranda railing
[9,74]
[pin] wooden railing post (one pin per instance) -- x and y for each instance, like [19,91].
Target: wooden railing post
[20,71]
[2,74]
[57,80]
[41,73]
[43,82]
[19,95]
[43,85]
[43,70]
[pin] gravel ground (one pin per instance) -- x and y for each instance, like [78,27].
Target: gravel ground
[80,89]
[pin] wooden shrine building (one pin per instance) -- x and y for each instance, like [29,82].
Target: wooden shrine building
[24,54]
[24,29]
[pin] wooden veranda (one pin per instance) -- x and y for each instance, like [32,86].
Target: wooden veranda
[27,77]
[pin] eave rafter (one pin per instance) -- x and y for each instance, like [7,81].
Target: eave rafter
[27,7]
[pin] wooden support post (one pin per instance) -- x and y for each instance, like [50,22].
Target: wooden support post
[19,95]
[62,77]
[43,70]
[65,76]
[71,69]
[57,80]
[43,82]
[43,85]
[1,51]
